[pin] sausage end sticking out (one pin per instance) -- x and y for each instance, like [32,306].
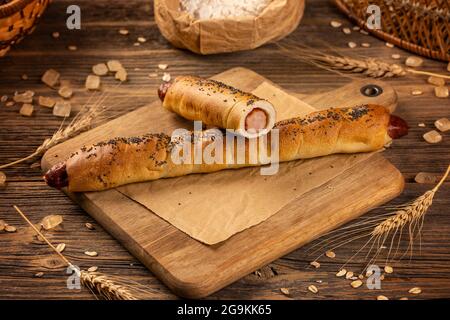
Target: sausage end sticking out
[397,127]
[57,176]
[162,90]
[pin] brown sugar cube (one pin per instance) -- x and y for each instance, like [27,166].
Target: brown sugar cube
[65,92]
[62,109]
[100,69]
[413,61]
[92,82]
[441,92]
[432,137]
[442,124]
[437,81]
[114,65]
[2,180]
[27,110]
[121,75]
[51,78]
[26,97]
[46,102]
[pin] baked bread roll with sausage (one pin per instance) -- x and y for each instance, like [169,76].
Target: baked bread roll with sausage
[219,105]
[127,160]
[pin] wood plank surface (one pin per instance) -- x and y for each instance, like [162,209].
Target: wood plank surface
[194,270]
[21,256]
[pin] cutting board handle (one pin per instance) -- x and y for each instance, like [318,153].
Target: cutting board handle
[353,94]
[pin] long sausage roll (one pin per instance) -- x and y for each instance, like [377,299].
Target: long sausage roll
[126,160]
[217,104]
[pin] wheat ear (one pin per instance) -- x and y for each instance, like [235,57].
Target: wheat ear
[340,64]
[95,282]
[409,212]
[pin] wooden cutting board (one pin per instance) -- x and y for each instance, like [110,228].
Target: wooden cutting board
[192,269]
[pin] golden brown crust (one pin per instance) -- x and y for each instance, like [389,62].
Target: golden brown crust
[214,103]
[121,161]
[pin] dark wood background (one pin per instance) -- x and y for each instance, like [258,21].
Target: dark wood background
[21,256]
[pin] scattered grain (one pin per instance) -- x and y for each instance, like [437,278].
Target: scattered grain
[24,76]
[92,269]
[396,56]
[100,69]
[404,298]
[388,269]
[432,136]
[141,39]
[163,66]
[55,35]
[39,275]
[352,44]
[51,221]
[315,264]
[356,28]
[114,65]
[91,253]
[421,125]
[389,45]
[10,104]
[437,81]
[136,44]
[442,124]
[312,288]
[152,75]
[166,77]
[124,32]
[365,45]
[335,24]
[415,290]
[356,284]
[284,291]
[346,30]
[341,273]
[330,254]
[10,229]
[65,92]
[349,275]
[441,92]
[62,109]
[381,297]
[89,226]
[92,82]
[416,92]
[364,32]
[60,247]
[4,98]
[51,78]
[27,110]
[72,47]
[46,102]
[413,61]
[427,178]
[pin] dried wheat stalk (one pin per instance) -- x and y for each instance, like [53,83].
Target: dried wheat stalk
[381,228]
[370,67]
[81,122]
[97,283]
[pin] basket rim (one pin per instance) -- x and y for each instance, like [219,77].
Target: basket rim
[434,54]
[12,7]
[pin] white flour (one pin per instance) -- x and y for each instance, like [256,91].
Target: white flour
[217,9]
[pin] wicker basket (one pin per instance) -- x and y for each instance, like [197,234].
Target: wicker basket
[420,26]
[17,19]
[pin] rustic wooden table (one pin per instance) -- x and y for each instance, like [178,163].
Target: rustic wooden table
[22,256]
